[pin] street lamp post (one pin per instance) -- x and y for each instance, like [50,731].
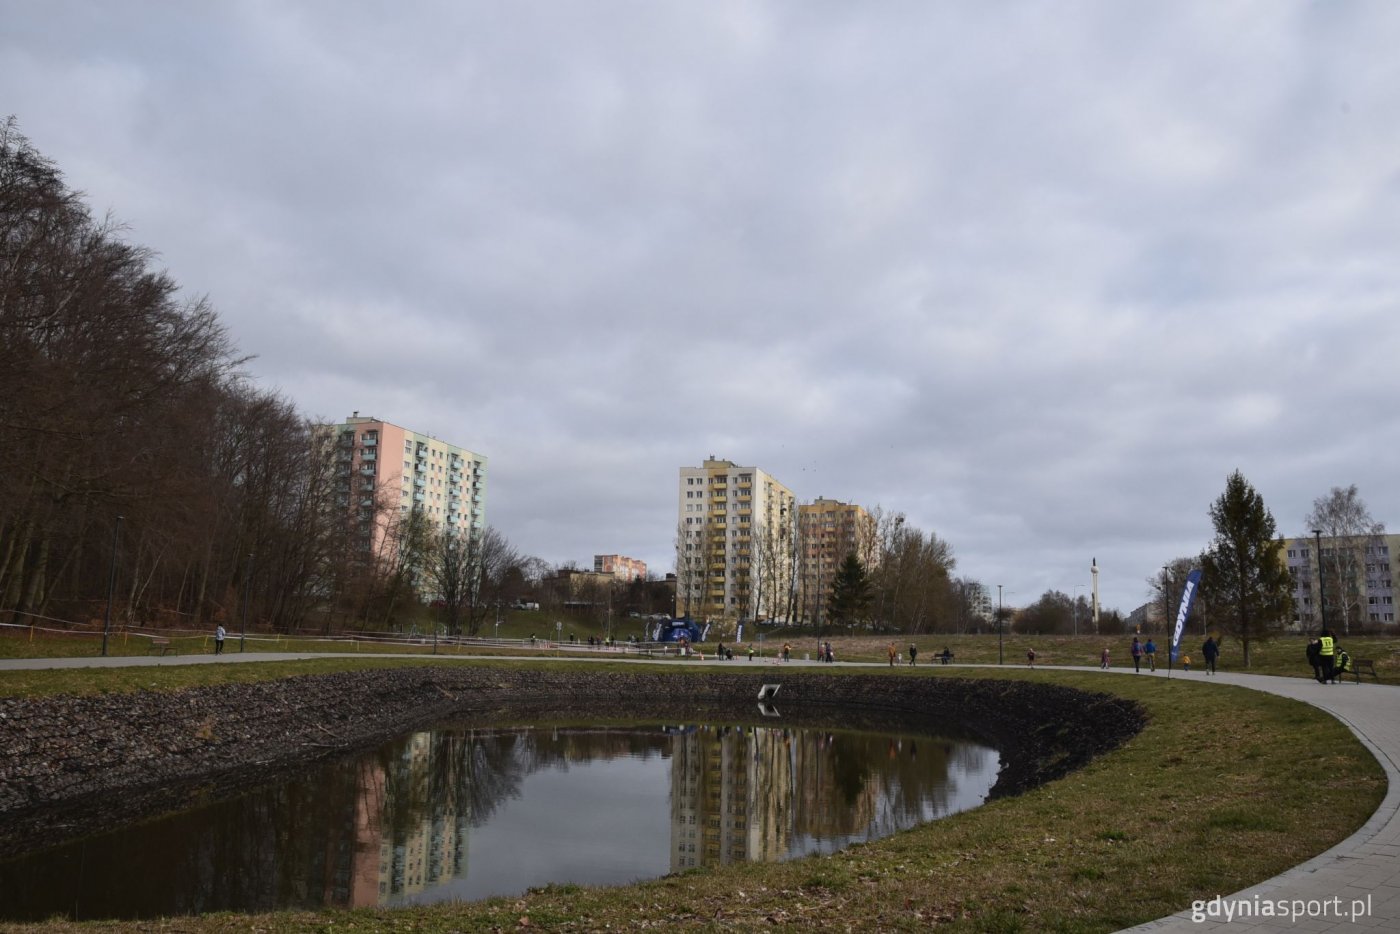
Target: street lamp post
[1001,621]
[247,595]
[1321,580]
[1167,597]
[111,587]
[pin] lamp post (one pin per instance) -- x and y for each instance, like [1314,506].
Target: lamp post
[1075,606]
[1321,581]
[1001,621]
[247,595]
[1167,597]
[111,586]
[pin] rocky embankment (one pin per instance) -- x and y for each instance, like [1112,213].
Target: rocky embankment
[72,766]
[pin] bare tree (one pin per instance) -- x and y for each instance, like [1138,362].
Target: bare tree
[692,569]
[489,560]
[1343,519]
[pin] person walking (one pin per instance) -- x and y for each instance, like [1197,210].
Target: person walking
[1137,654]
[219,635]
[1150,650]
[1103,659]
[1327,649]
[1210,651]
[913,653]
[1030,657]
[1315,658]
[893,653]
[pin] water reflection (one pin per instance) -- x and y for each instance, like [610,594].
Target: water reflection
[459,813]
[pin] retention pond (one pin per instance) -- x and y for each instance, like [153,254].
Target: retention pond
[463,812]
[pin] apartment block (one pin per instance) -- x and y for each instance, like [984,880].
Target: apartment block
[735,538]
[382,464]
[1358,574]
[620,567]
[828,531]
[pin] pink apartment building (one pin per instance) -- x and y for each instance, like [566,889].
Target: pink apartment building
[380,462]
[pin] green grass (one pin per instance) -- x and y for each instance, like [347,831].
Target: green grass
[1282,656]
[1177,814]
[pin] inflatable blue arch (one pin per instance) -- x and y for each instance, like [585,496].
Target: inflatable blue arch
[675,630]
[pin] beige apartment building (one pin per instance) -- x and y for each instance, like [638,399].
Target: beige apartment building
[621,567]
[828,531]
[1359,574]
[736,534]
[382,464]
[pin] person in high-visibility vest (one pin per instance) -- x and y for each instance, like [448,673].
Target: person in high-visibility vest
[1328,653]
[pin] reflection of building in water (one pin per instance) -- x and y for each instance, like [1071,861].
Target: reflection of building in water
[365,875]
[729,796]
[767,794]
[773,782]
[416,836]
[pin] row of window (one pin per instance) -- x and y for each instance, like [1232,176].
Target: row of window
[1375,551]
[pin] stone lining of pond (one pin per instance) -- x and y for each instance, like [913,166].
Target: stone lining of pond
[73,766]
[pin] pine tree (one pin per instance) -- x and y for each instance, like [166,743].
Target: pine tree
[1248,586]
[850,593]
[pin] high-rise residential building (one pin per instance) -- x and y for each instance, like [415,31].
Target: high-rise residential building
[735,534]
[621,567]
[1358,575]
[828,531]
[384,472]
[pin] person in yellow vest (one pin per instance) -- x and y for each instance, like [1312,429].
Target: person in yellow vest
[1328,654]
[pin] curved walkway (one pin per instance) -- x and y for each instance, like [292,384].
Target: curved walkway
[1354,886]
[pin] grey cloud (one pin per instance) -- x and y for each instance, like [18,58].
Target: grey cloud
[1038,277]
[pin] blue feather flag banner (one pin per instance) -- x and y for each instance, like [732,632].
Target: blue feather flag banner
[1193,580]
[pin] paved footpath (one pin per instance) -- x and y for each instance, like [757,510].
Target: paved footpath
[1355,886]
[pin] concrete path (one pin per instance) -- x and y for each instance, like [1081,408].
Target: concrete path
[1355,886]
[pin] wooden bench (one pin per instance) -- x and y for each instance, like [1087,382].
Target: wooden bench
[162,643]
[1369,664]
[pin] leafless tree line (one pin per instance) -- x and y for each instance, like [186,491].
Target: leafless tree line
[135,441]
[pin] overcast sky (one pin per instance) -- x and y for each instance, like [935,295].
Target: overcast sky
[1038,275]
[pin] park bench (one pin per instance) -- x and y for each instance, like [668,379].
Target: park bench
[162,643]
[944,657]
[1367,663]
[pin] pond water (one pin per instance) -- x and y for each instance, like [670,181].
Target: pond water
[462,813]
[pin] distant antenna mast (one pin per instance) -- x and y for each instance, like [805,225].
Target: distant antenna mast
[1094,570]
